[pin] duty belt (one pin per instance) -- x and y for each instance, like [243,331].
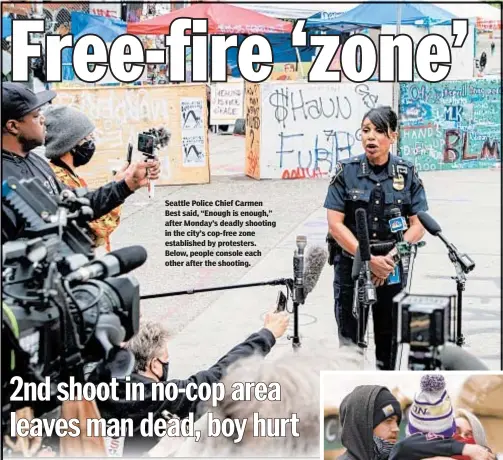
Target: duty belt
[377,248]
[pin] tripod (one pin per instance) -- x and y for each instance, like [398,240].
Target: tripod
[287,282]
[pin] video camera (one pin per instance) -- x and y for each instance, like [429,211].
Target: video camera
[63,311]
[152,139]
[426,326]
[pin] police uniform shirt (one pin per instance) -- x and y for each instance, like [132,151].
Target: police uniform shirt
[356,184]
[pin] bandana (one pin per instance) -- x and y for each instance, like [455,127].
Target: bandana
[382,448]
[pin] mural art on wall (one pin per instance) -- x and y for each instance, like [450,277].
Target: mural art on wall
[451,125]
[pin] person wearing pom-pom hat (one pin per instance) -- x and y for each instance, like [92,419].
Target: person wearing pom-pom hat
[431,427]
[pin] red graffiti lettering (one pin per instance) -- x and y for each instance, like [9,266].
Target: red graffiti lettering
[303,173]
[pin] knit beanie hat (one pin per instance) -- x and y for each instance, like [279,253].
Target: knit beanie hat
[479,434]
[385,406]
[431,411]
[65,128]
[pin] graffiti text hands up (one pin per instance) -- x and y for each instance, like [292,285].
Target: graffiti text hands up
[126,57]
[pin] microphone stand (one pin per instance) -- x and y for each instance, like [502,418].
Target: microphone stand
[460,287]
[462,264]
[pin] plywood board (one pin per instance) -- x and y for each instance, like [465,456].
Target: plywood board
[121,113]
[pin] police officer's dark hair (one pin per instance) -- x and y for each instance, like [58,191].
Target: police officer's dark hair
[383,118]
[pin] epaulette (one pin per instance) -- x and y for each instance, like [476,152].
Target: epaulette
[403,166]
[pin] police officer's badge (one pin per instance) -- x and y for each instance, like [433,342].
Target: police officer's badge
[398,182]
[337,172]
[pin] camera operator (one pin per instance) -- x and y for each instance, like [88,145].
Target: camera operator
[23,130]
[69,144]
[150,349]
[376,181]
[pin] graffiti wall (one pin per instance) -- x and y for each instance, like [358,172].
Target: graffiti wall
[305,128]
[451,125]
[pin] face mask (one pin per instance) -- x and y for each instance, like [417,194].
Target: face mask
[82,154]
[382,448]
[165,370]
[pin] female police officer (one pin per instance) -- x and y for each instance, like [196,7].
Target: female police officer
[377,182]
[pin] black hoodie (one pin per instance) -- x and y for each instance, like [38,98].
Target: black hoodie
[260,342]
[357,420]
[103,200]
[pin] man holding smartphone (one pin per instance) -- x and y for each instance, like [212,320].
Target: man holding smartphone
[23,130]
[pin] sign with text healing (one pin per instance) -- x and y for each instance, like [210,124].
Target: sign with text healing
[227,102]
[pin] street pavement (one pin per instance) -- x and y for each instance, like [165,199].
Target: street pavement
[466,203]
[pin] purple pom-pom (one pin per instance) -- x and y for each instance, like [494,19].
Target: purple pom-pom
[432,383]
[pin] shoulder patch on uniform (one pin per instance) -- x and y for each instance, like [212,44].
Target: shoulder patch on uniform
[337,172]
[416,175]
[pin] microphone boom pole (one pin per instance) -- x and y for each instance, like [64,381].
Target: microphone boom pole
[278,282]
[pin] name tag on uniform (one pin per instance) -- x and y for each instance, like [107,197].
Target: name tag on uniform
[401,169]
[398,224]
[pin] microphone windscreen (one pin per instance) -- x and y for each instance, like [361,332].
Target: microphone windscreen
[429,223]
[130,257]
[315,260]
[454,358]
[357,265]
[362,233]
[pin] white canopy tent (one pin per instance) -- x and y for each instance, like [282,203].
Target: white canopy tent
[473,9]
[469,9]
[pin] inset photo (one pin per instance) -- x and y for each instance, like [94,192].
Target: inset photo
[411,416]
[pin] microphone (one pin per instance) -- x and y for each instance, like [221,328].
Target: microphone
[362,234]
[316,258]
[397,223]
[298,270]
[432,227]
[454,358]
[112,264]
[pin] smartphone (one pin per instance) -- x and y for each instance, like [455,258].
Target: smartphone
[281,302]
[129,153]
[146,143]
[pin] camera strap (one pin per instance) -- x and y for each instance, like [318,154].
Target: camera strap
[11,329]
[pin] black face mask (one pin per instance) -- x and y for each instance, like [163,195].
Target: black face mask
[165,370]
[82,154]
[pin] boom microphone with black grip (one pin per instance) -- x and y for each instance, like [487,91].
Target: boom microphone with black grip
[357,265]
[362,233]
[114,263]
[430,224]
[365,291]
[432,227]
[316,258]
[454,358]
[298,270]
